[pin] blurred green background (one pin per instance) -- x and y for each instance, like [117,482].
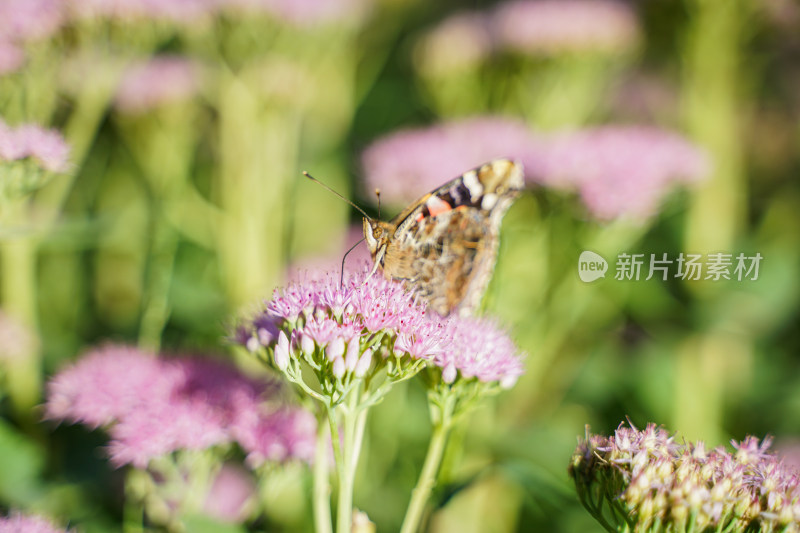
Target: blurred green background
[178,217]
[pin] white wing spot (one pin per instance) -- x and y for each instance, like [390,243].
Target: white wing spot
[489,201]
[473,184]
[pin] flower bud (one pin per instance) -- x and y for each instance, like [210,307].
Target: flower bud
[335,349]
[307,344]
[363,364]
[338,368]
[351,359]
[449,373]
[282,352]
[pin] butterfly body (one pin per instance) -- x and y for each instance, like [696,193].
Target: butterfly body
[444,245]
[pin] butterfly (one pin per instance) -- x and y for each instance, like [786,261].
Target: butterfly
[444,245]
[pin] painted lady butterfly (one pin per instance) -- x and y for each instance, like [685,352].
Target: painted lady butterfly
[444,245]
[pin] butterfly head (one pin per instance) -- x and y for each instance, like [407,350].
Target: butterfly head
[377,234]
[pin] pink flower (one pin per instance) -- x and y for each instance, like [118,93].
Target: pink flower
[478,348]
[559,26]
[278,436]
[11,57]
[28,20]
[231,493]
[30,140]
[409,163]
[48,146]
[157,82]
[19,523]
[334,327]
[376,308]
[17,342]
[651,476]
[156,406]
[158,429]
[619,171]
[108,384]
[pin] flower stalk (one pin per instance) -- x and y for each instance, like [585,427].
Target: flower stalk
[442,417]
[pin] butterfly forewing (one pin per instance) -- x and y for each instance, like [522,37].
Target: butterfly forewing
[444,245]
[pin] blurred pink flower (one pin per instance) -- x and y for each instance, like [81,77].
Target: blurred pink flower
[459,42]
[319,266]
[19,523]
[619,171]
[30,140]
[278,436]
[108,384]
[231,493]
[155,406]
[160,428]
[17,342]
[11,57]
[409,163]
[158,81]
[559,26]
[28,20]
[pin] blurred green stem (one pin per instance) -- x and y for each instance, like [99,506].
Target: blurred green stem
[258,144]
[133,512]
[713,110]
[322,487]
[19,293]
[89,109]
[156,305]
[442,418]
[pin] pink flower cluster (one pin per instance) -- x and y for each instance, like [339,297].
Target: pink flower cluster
[19,523]
[17,341]
[342,321]
[155,82]
[48,147]
[619,171]
[29,20]
[533,27]
[154,406]
[11,57]
[558,26]
[651,479]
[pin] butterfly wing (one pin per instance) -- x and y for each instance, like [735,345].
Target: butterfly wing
[444,246]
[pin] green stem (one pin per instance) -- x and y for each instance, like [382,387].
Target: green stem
[19,295]
[322,488]
[427,478]
[344,513]
[156,307]
[133,512]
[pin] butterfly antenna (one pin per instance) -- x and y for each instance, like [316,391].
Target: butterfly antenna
[378,194]
[315,180]
[341,278]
